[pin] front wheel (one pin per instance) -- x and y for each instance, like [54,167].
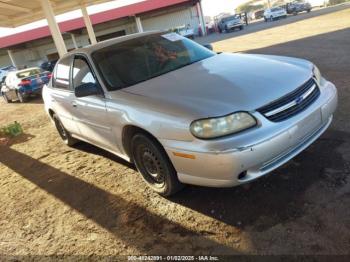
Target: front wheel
[64,134]
[154,165]
[21,97]
[6,99]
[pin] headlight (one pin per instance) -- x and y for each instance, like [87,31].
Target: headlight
[317,74]
[221,126]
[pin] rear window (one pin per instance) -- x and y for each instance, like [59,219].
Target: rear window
[29,72]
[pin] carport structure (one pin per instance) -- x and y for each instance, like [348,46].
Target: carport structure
[19,12]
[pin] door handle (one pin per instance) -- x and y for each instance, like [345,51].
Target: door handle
[74,104]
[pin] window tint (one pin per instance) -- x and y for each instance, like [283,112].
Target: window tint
[229,18]
[130,62]
[61,76]
[82,73]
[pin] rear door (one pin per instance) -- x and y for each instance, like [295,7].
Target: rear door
[90,111]
[62,95]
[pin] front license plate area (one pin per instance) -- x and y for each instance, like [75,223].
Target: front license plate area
[307,126]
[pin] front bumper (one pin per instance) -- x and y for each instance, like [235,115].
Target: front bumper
[256,152]
[234,26]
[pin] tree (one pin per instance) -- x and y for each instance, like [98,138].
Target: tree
[249,6]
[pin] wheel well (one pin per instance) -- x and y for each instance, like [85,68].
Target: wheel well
[51,113]
[127,135]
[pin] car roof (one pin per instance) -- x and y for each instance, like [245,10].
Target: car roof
[91,48]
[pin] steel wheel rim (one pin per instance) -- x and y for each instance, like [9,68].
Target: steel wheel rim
[152,167]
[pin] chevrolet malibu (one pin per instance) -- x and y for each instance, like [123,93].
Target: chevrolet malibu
[186,115]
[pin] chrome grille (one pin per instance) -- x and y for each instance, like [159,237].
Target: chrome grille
[293,103]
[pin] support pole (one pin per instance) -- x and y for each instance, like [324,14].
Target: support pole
[88,25]
[138,24]
[74,41]
[55,31]
[201,18]
[13,62]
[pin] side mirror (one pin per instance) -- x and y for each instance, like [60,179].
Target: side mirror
[209,46]
[87,89]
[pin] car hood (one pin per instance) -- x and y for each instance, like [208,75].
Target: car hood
[225,83]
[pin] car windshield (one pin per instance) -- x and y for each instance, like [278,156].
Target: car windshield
[130,62]
[29,72]
[230,18]
[276,9]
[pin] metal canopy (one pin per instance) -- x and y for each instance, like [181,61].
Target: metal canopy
[15,13]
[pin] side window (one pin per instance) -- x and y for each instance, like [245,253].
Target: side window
[61,76]
[82,73]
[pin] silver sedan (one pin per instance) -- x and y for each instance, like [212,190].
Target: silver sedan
[186,115]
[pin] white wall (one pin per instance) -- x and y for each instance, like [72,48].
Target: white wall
[171,20]
[4,59]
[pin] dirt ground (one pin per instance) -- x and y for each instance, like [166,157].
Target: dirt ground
[56,200]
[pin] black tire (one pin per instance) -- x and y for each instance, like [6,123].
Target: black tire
[62,131]
[21,98]
[6,98]
[265,19]
[309,10]
[154,165]
[271,18]
[241,27]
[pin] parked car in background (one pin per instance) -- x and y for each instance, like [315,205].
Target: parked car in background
[48,66]
[274,13]
[228,23]
[4,71]
[21,84]
[185,31]
[186,115]
[297,7]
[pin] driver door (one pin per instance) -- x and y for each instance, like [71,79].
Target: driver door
[90,111]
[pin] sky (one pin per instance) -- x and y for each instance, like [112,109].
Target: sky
[210,8]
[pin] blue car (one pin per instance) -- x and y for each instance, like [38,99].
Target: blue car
[22,84]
